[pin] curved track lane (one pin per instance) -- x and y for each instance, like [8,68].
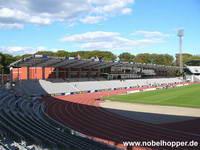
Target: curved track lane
[82,113]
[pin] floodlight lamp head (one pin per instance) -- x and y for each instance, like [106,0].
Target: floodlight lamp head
[180,33]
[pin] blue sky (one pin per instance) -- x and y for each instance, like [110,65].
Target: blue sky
[135,26]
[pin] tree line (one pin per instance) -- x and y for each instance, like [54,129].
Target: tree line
[160,59]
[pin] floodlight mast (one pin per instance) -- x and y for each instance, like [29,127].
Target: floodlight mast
[180,35]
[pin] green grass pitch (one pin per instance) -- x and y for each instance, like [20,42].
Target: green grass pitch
[186,96]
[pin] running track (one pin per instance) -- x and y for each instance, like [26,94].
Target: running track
[82,113]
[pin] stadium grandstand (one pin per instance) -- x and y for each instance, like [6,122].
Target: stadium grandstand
[46,67]
[66,74]
[53,103]
[192,71]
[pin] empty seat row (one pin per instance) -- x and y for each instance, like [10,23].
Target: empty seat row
[26,120]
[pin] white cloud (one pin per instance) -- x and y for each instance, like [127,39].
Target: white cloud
[110,5]
[39,20]
[90,37]
[11,13]
[126,11]
[152,33]
[12,18]
[11,26]
[107,40]
[45,12]
[92,19]
[17,50]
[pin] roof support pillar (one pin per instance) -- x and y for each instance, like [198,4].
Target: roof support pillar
[98,73]
[28,73]
[18,74]
[65,72]
[88,73]
[79,73]
[57,73]
[69,72]
[43,73]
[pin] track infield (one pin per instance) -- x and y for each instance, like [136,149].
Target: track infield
[186,96]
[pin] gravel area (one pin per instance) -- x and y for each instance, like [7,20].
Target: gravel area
[152,113]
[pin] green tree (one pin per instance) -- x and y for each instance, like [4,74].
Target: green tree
[143,58]
[105,55]
[127,57]
[2,62]
[160,59]
[62,53]
[186,57]
[6,60]
[163,59]
[48,53]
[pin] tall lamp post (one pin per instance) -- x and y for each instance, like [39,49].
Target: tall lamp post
[180,35]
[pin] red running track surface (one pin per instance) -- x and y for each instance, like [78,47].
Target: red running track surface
[82,113]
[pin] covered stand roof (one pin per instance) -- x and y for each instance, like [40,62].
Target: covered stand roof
[73,62]
[193,62]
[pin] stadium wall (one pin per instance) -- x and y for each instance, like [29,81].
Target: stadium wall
[16,74]
[32,73]
[26,73]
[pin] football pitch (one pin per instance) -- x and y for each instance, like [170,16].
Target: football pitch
[186,96]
